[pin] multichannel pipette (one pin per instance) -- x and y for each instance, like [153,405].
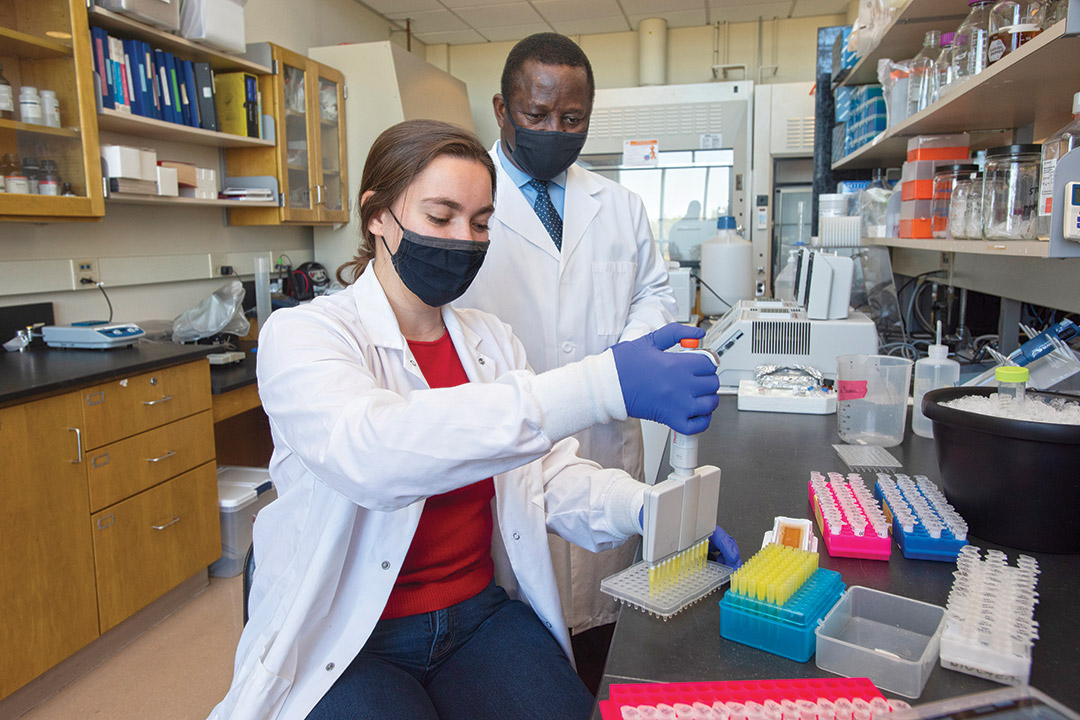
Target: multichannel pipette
[1043,343]
[680,512]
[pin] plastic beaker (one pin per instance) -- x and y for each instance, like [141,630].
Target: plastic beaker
[872,393]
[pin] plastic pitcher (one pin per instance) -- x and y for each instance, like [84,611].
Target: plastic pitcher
[872,393]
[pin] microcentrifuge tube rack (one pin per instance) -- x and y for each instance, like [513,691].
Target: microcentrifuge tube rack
[787,699]
[924,524]
[631,587]
[850,519]
[989,617]
[776,599]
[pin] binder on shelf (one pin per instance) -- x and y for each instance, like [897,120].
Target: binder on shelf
[174,88]
[181,91]
[103,65]
[161,81]
[204,91]
[236,104]
[153,93]
[134,87]
[121,101]
[252,105]
[189,92]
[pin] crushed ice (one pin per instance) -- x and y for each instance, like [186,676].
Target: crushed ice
[1034,408]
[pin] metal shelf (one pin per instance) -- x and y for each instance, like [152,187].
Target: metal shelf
[1011,248]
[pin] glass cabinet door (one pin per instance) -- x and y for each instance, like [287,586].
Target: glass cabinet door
[48,127]
[298,183]
[333,190]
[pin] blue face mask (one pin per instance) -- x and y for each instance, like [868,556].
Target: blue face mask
[437,270]
[544,154]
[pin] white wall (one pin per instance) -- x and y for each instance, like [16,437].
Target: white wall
[130,230]
[789,44]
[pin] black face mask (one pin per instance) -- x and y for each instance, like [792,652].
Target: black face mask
[437,270]
[543,154]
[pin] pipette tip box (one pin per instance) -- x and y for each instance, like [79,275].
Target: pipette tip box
[851,522]
[751,614]
[631,587]
[697,694]
[917,510]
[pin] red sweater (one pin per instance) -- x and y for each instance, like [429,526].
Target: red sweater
[450,556]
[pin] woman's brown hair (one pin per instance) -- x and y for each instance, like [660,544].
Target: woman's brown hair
[397,156]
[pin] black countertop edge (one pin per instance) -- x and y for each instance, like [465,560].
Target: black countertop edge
[44,370]
[224,378]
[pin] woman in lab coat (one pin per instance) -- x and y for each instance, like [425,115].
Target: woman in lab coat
[403,570]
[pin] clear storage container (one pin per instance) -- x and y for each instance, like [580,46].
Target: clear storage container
[1012,23]
[946,178]
[958,206]
[974,213]
[921,73]
[1011,192]
[971,40]
[1054,11]
[943,76]
[892,640]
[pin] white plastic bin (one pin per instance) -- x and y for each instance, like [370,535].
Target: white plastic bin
[218,23]
[242,493]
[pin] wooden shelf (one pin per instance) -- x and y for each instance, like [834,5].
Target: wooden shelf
[904,37]
[39,129]
[161,39]
[1011,248]
[13,42]
[132,199]
[1008,94]
[131,124]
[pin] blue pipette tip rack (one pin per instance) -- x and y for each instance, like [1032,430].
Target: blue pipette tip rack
[786,630]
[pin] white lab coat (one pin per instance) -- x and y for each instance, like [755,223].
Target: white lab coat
[608,284]
[356,451]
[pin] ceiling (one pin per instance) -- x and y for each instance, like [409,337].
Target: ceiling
[458,22]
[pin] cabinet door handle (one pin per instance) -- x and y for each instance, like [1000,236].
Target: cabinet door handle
[78,445]
[319,189]
[156,402]
[163,457]
[162,526]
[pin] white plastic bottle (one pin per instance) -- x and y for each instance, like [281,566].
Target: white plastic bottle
[1054,148]
[931,373]
[726,269]
[784,287]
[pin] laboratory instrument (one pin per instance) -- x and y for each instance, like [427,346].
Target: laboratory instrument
[850,520]
[1071,215]
[1011,384]
[931,373]
[726,269]
[776,599]
[91,335]
[776,332]
[678,517]
[924,524]
[891,640]
[1010,199]
[779,699]
[989,618]
[872,393]
[1054,148]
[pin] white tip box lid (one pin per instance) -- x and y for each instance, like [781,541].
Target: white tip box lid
[238,487]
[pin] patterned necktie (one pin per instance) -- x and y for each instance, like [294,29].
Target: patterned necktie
[545,210]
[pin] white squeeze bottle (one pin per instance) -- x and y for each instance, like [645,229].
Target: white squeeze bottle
[931,373]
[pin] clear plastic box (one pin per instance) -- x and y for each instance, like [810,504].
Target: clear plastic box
[165,15]
[1016,703]
[892,640]
[217,23]
[242,493]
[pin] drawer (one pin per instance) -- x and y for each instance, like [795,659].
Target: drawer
[150,543]
[128,406]
[121,469]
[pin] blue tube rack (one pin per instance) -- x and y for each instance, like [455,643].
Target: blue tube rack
[918,544]
[786,630]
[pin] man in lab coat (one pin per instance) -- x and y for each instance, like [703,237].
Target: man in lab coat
[572,267]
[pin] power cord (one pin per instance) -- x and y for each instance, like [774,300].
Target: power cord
[715,294]
[100,286]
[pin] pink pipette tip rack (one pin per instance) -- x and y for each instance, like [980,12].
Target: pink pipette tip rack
[849,518]
[791,699]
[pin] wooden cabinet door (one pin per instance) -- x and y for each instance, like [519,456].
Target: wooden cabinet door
[48,606]
[295,86]
[329,110]
[150,543]
[122,408]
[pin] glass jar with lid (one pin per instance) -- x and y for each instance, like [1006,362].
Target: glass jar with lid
[1011,192]
[1012,23]
[958,206]
[30,170]
[48,178]
[973,215]
[946,178]
[970,41]
[1054,11]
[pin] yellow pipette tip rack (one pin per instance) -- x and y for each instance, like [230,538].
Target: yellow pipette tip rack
[670,571]
[774,574]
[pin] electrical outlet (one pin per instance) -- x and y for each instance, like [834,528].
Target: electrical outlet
[84,273]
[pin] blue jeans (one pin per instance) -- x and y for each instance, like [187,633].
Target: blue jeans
[486,657]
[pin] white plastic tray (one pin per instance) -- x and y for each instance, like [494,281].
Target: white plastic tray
[631,586]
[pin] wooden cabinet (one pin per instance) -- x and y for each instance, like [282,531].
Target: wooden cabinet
[308,100]
[45,44]
[110,502]
[47,591]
